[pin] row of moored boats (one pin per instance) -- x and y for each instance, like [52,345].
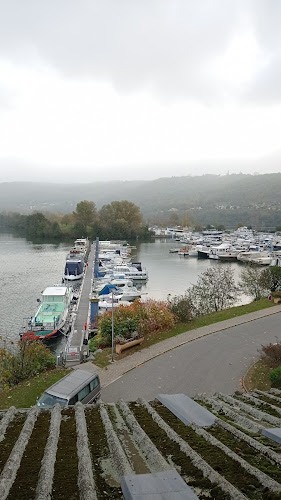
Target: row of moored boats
[58,303]
[118,276]
[243,245]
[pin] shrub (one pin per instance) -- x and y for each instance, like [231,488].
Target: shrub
[181,306]
[93,344]
[32,357]
[271,354]
[143,317]
[275,377]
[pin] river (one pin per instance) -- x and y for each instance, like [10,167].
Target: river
[28,268]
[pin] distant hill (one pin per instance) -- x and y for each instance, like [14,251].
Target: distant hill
[200,196]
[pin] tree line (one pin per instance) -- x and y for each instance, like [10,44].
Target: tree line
[116,220]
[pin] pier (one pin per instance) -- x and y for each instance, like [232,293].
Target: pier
[76,350]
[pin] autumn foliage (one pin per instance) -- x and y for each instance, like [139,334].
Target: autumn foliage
[141,317]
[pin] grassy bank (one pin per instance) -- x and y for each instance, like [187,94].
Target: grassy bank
[24,394]
[257,377]
[102,359]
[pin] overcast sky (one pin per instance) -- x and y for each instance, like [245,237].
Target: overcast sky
[138,89]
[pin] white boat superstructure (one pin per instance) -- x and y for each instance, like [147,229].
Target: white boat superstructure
[216,251]
[132,272]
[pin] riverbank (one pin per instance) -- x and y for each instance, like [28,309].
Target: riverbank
[24,395]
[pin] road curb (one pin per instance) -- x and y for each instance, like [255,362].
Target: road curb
[187,342]
[244,387]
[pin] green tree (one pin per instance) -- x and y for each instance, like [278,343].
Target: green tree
[85,214]
[122,219]
[215,290]
[271,278]
[37,225]
[251,281]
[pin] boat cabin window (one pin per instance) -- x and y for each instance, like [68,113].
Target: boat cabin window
[47,400]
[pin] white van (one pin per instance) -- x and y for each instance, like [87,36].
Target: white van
[79,385]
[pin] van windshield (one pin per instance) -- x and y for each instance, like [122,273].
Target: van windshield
[48,400]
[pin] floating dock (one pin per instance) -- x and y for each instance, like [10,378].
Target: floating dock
[76,350]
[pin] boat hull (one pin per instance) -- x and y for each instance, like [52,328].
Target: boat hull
[202,255]
[43,335]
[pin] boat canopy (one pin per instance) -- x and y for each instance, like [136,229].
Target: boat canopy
[55,290]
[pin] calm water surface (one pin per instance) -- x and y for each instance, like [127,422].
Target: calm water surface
[171,274]
[28,268]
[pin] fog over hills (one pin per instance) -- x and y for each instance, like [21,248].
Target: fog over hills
[155,198]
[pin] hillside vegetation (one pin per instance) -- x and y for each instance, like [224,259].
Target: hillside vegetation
[208,199]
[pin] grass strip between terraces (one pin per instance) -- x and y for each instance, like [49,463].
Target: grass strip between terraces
[246,452]
[102,359]
[171,451]
[25,483]
[217,459]
[65,483]
[25,393]
[11,436]
[103,467]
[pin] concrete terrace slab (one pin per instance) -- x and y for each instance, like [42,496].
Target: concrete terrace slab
[167,485]
[187,410]
[273,433]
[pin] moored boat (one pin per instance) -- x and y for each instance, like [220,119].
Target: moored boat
[52,317]
[74,269]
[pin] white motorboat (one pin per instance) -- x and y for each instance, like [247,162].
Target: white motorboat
[216,251]
[132,272]
[129,293]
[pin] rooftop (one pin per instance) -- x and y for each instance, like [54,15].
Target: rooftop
[84,452]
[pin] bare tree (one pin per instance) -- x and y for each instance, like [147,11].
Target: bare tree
[251,282]
[215,290]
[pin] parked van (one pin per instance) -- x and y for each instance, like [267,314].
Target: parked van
[79,385]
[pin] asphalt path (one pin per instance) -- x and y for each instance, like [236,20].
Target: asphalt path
[207,365]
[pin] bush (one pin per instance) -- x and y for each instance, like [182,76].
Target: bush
[140,317]
[32,357]
[275,377]
[181,306]
[94,343]
[271,354]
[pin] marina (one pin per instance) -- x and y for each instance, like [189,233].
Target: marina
[35,267]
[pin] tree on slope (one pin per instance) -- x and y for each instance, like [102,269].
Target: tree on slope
[215,290]
[251,282]
[271,278]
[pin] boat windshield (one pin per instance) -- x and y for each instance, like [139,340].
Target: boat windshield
[48,400]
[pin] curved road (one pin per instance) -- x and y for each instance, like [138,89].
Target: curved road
[210,364]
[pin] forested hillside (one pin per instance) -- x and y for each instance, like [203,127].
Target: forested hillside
[207,199]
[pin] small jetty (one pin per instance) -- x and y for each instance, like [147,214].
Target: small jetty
[76,348]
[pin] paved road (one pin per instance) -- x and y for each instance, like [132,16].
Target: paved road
[210,364]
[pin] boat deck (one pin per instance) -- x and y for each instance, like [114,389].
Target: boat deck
[49,311]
